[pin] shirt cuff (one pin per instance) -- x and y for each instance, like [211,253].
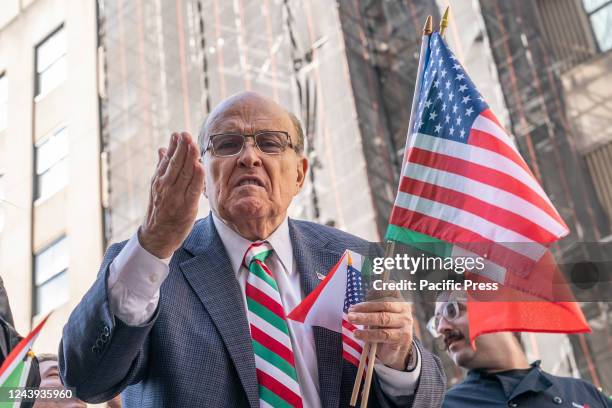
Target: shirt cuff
[134,279]
[396,383]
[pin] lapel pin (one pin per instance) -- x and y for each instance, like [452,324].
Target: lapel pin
[320,276]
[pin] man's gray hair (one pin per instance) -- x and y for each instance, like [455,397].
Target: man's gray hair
[46,357]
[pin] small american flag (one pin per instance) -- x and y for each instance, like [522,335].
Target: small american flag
[463,180]
[355,293]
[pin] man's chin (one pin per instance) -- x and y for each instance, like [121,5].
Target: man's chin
[461,353]
[248,207]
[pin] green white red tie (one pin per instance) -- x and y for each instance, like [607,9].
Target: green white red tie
[276,374]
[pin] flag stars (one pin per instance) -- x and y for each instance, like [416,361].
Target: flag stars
[469,111]
[456,67]
[451,130]
[427,103]
[447,84]
[462,88]
[462,133]
[459,77]
[458,120]
[447,118]
[443,73]
[450,96]
[466,99]
[436,83]
[444,107]
[437,128]
[455,107]
[432,115]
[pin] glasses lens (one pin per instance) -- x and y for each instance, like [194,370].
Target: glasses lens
[227,145]
[432,326]
[271,142]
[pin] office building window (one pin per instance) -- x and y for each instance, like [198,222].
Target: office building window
[3,101]
[51,276]
[51,164]
[50,63]
[600,15]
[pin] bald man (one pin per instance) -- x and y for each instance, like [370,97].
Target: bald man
[192,314]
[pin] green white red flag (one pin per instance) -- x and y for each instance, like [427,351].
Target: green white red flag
[15,368]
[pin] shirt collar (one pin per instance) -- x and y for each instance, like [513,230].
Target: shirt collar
[236,245]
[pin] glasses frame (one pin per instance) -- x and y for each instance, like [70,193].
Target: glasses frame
[432,325]
[210,147]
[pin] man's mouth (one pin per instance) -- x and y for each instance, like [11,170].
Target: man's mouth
[250,181]
[452,338]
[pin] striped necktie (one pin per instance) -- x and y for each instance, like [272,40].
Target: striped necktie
[276,374]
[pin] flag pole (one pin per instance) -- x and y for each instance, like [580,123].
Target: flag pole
[369,350]
[444,22]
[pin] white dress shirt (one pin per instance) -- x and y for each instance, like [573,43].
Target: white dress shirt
[136,276]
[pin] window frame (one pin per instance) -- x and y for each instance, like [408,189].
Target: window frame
[38,197]
[38,94]
[35,286]
[589,14]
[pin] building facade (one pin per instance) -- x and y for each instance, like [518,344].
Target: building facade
[51,221]
[90,89]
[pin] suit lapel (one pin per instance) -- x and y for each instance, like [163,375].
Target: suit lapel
[311,256]
[211,276]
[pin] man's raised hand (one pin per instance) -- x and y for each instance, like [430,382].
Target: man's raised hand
[175,192]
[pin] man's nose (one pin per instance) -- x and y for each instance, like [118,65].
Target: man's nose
[444,326]
[249,156]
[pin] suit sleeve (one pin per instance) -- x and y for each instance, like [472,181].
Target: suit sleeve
[99,355]
[429,391]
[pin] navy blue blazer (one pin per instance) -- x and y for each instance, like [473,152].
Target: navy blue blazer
[196,350]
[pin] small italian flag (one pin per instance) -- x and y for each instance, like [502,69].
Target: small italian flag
[16,367]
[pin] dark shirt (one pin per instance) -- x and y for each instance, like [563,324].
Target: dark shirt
[530,387]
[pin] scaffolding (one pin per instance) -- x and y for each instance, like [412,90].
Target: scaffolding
[348,72]
[533,45]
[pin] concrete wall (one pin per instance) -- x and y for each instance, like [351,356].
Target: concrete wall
[75,210]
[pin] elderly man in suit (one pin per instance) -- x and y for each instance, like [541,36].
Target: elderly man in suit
[193,315]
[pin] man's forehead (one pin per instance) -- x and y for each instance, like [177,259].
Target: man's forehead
[48,366]
[247,110]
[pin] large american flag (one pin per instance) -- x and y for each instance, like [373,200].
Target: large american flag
[355,293]
[463,179]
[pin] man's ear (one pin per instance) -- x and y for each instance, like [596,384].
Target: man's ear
[302,169]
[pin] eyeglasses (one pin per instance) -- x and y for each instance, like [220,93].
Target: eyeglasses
[450,311]
[267,141]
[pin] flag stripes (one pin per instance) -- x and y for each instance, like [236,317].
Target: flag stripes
[15,357]
[482,206]
[496,165]
[351,347]
[465,237]
[493,183]
[466,190]
[354,293]
[274,360]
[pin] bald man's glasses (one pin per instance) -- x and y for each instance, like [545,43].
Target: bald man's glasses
[271,142]
[450,311]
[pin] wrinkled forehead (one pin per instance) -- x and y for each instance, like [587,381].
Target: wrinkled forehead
[247,115]
[48,367]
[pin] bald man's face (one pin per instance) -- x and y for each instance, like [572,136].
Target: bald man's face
[49,378]
[252,184]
